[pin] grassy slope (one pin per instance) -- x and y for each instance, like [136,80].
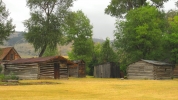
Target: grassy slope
[94,89]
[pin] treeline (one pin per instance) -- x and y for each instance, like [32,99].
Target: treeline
[143,31]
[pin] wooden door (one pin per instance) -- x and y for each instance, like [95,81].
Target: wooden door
[56,71]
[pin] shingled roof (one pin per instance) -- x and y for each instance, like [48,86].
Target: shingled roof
[4,52]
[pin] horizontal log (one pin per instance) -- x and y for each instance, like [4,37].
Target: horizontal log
[164,77]
[140,77]
[142,72]
[27,77]
[48,72]
[137,71]
[12,69]
[21,71]
[46,68]
[46,77]
[44,74]
[138,74]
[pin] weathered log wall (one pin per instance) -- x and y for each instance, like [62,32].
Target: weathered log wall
[140,70]
[63,70]
[77,70]
[163,72]
[23,71]
[46,70]
[176,72]
[43,70]
[81,70]
[73,71]
[144,70]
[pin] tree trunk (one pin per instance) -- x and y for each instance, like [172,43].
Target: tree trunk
[42,51]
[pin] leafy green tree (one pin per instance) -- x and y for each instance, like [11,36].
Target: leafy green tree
[79,32]
[107,54]
[50,52]
[95,58]
[118,8]
[6,26]
[171,13]
[171,39]
[44,27]
[140,36]
[82,50]
[176,3]
[77,26]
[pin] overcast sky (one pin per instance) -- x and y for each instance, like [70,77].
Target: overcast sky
[103,25]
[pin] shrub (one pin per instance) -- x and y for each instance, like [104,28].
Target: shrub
[2,77]
[11,76]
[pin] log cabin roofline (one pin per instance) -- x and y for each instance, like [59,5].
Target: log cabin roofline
[157,63]
[6,51]
[39,60]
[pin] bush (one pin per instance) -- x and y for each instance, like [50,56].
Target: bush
[2,77]
[11,76]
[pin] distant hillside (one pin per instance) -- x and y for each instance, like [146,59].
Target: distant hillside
[25,49]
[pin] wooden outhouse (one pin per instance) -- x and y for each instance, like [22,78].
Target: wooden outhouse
[8,54]
[149,69]
[54,67]
[107,70]
[78,69]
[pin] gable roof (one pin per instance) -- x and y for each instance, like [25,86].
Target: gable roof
[4,52]
[156,62]
[40,59]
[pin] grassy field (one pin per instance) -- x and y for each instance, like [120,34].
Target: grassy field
[92,89]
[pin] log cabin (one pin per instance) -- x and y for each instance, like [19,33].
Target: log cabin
[107,70]
[8,54]
[54,67]
[78,69]
[149,69]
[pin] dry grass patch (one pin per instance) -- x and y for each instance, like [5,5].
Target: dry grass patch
[93,89]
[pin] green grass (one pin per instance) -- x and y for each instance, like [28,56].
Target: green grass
[92,89]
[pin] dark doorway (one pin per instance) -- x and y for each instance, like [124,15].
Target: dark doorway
[56,71]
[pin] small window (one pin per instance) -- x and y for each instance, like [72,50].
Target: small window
[165,69]
[12,57]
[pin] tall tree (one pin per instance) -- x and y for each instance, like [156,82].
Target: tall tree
[6,26]
[50,52]
[44,27]
[79,31]
[118,8]
[95,58]
[171,38]
[176,3]
[107,54]
[139,36]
